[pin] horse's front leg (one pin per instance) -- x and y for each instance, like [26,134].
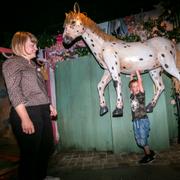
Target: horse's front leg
[118,112]
[114,68]
[106,78]
[159,87]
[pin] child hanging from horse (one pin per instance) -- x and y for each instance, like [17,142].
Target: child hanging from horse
[140,120]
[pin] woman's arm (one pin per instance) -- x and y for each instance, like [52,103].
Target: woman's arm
[26,123]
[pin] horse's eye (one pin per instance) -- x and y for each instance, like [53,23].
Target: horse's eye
[73,22]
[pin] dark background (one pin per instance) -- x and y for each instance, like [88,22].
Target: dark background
[40,16]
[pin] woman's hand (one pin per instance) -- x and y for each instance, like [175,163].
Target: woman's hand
[26,123]
[27,126]
[53,111]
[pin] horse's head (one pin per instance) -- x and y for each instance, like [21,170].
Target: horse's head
[73,26]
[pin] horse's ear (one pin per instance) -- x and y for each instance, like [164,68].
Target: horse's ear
[76,8]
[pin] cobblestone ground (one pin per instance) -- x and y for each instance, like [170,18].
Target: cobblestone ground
[109,166]
[76,165]
[103,160]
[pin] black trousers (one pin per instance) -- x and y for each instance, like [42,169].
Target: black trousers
[35,149]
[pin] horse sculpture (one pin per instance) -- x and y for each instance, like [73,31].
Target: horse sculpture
[116,56]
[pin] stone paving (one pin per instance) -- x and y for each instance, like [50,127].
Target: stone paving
[102,160]
[64,164]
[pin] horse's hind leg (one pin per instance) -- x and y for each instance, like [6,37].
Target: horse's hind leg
[159,87]
[167,60]
[106,78]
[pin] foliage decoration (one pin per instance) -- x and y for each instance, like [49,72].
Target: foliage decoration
[46,40]
[58,52]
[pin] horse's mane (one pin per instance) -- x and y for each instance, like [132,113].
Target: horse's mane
[87,22]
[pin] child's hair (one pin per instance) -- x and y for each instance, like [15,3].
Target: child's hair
[131,82]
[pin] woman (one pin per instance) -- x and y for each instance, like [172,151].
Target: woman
[31,109]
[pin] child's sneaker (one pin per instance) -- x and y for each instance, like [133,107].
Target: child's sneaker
[152,153]
[146,159]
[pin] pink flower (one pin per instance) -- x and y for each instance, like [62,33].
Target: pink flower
[59,39]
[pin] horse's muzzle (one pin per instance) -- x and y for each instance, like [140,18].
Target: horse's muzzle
[67,40]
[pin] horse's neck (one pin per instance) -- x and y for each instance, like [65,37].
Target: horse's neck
[94,41]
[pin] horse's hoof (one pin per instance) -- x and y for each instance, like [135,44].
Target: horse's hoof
[103,110]
[118,112]
[149,108]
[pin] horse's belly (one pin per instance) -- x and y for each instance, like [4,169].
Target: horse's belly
[129,64]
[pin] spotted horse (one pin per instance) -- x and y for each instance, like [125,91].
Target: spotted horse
[116,56]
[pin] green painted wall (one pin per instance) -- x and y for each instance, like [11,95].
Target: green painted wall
[81,127]
[171,110]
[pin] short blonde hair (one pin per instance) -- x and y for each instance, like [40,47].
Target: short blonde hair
[18,41]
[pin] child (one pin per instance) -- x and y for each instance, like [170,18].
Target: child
[141,123]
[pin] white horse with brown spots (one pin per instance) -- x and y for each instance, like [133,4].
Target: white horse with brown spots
[116,56]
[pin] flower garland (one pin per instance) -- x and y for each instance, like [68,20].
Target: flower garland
[58,52]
